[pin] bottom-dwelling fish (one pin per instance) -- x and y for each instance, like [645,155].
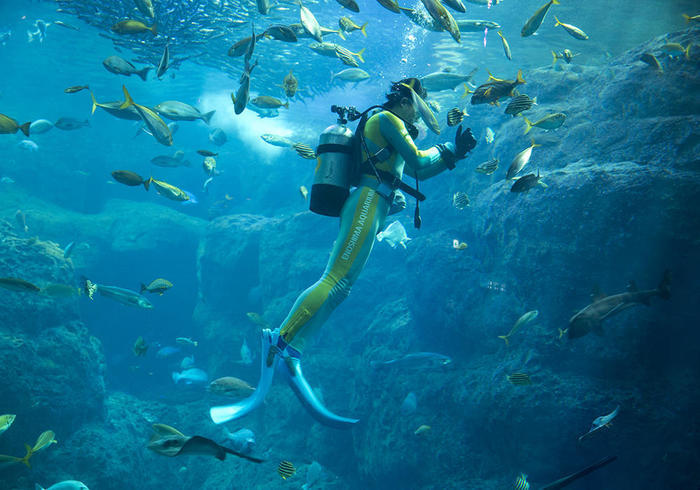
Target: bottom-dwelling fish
[591,317]
[176,444]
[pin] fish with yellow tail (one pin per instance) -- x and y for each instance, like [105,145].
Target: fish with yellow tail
[14,459]
[495,89]
[519,379]
[506,46]
[691,18]
[524,319]
[441,15]
[347,25]
[158,128]
[10,126]
[168,190]
[520,160]
[548,122]
[573,31]
[565,55]
[131,26]
[534,22]
[44,440]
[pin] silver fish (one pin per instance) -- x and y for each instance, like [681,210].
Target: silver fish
[417,360]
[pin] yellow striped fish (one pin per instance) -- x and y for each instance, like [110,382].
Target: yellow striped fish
[286,469]
[521,482]
[305,151]
[519,379]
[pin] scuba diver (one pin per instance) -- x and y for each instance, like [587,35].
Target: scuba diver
[374,158]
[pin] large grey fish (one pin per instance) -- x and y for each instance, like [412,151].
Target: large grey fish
[444,80]
[120,295]
[179,111]
[177,160]
[276,140]
[240,100]
[438,12]
[310,23]
[591,317]
[175,445]
[114,109]
[119,66]
[153,122]
[417,360]
[534,22]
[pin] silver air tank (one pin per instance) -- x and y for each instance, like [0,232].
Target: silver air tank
[334,170]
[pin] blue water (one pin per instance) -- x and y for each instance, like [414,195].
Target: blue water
[620,206]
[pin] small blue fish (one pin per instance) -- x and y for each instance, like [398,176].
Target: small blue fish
[167,351]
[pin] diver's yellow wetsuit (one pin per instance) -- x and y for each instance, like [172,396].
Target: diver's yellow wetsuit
[361,218]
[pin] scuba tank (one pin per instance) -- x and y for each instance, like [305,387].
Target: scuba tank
[337,164]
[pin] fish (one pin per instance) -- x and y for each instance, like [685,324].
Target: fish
[591,317]
[76,89]
[457,245]
[460,200]
[652,61]
[10,126]
[425,113]
[286,469]
[455,116]
[19,285]
[304,151]
[119,66]
[519,379]
[520,161]
[21,220]
[348,57]
[422,430]
[6,421]
[217,136]
[230,386]
[473,25]
[290,84]
[65,485]
[207,153]
[175,445]
[191,376]
[495,89]
[267,102]
[209,166]
[68,250]
[442,16]
[527,182]
[689,18]
[534,22]
[146,8]
[416,360]
[394,234]
[573,31]
[187,362]
[179,111]
[601,422]
[240,100]
[14,459]
[140,347]
[281,33]
[67,26]
[177,160]
[456,5]
[523,320]
[444,80]
[114,109]
[520,103]
[40,126]
[263,6]
[276,140]
[186,341]
[347,25]
[565,481]
[243,440]
[676,49]
[131,26]
[506,47]
[120,295]
[521,482]
[304,192]
[243,46]
[350,75]
[70,124]
[44,440]
[153,122]
[310,23]
[28,145]
[489,136]
[127,177]
[169,191]
[390,5]
[565,55]
[350,5]
[409,404]
[158,285]
[164,62]
[167,351]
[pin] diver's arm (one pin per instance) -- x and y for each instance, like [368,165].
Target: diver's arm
[422,164]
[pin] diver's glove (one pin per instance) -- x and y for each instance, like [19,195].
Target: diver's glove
[398,204]
[464,142]
[447,154]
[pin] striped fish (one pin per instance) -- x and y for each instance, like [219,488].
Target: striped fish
[286,469]
[487,168]
[520,103]
[521,482]
[455,116]
[460,200]
[519,379]
[304,151]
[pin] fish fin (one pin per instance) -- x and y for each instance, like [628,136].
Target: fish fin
[359,54]
[686,51]
[332,77]
[128,101]
[534,145]
[467,91]
[207,117]
[147,183]
[233,98]
[528,125]
[491,77]
[25,460]
[686,17]
[556,2]
[534,101]
[562,333]
[143,73]
[504,337]
[542,184]
[94,102]
[557,21]
[341,35]
[363,29]
[554,58]
[25,128]
[154,29]
[519,78]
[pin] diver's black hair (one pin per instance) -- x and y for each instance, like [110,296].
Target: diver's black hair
[398,91]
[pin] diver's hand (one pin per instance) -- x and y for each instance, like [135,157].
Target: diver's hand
[464,142]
